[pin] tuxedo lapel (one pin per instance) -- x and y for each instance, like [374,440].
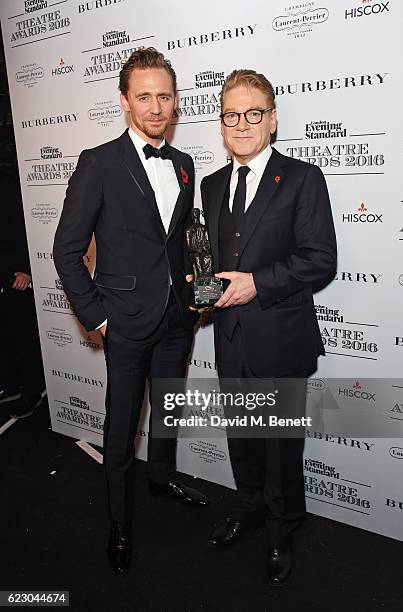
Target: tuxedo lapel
[216,198]
[269,183]
[184,188]
[138,175]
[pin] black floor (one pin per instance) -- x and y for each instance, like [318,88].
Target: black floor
[54,530]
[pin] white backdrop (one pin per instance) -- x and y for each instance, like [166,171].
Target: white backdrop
[335,67]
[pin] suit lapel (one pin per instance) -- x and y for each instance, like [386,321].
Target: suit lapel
[271,179]
[214,210]
[138,175]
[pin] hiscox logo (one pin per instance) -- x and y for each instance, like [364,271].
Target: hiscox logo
[363,216]
[29,75]
[62,68]
[376,8]
[105,112]
[357,392]
[299,20]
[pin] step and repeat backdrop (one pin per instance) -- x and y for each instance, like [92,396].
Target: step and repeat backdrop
[336,69]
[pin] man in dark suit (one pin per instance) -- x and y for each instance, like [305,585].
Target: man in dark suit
[272,235]
[135,195]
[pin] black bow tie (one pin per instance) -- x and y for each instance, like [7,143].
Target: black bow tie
[163,152]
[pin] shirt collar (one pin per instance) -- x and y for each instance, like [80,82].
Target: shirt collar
[257,164]
[140,142]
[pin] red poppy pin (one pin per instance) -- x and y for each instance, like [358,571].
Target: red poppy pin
[185,176]
[277,179]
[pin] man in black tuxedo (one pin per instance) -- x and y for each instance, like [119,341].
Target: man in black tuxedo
[272,235]
[135,194]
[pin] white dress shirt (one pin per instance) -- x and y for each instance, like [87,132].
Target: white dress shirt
[162,176]
[257,166]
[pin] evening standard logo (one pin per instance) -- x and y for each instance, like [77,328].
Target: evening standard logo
[342,82]
[201,156]
[324,129]
[201,104]
[208,452]
[96,4]
[353,155]
[77,402]
[377,8]
[35,5]
[44,213]
[105,112]
[299,20]
[62,68]
[363,215]
[48,152]
[396,452]
[209,78]
[234,33]
[350,339]
[367,278]
[115,37]
[324,313]
[357,391]
[59,337]
[29,75]
[51,23]
[315,466]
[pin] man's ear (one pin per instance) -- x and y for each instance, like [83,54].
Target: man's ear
[273,121]
[124,103]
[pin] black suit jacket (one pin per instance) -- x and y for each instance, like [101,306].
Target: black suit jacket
[289,245]
[110,195]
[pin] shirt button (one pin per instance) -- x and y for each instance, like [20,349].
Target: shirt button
[236,254]
[237,234]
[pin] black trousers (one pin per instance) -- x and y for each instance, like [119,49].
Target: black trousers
[19,339]
[164,354]
[268,471]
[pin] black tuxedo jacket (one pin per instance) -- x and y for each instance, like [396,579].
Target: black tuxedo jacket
[110,195]
[289,245]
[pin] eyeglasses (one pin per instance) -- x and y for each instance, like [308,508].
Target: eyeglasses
[253,116]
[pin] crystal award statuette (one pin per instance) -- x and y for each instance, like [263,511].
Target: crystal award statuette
[206,287]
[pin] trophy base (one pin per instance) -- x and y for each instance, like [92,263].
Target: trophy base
[207,290]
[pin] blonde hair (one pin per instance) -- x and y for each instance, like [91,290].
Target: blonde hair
[249,78]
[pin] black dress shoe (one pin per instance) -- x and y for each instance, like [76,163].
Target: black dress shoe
[232,528]
[178,491]
[119,548]
[279,564]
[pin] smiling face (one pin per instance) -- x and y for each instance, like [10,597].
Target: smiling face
[150,100]
[245,140]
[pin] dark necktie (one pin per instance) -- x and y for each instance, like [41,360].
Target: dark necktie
[238,205]
[163,152]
